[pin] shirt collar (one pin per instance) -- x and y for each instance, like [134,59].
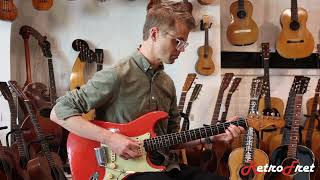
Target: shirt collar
[143,63]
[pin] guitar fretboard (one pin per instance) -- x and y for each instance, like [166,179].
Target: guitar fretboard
[173,139]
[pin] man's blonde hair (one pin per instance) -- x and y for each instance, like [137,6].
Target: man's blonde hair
[164,16]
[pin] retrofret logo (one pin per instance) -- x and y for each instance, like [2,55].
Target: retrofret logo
[287,170]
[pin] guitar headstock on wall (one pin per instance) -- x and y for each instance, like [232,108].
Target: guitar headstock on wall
[85,54]
[205,22]
[195,92]
[235,84]
[189,80]
[265,50]
[226,81]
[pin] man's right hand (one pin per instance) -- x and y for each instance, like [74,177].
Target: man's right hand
[123,146]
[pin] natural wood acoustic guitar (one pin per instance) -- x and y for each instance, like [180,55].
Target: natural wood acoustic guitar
[42,5]
[241,158]
[295,40]
[242,30]
[205,65]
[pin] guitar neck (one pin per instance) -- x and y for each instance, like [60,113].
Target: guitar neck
[294,133]
[267,98]
[294,10]
[44,144]
[182,100]
[170,140]
[248,146]
[227,104]
[288,116]
[206,42]
[27,59]
[217,107]
[241,5]
[53,91]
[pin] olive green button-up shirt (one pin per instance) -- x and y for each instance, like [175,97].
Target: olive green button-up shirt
[123,93]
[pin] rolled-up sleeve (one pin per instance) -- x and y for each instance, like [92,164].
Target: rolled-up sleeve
[102,88]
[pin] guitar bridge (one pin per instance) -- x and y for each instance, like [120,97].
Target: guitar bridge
[101,156]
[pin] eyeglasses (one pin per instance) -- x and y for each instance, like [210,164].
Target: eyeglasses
[181,44]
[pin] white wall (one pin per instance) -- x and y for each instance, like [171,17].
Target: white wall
[5,31]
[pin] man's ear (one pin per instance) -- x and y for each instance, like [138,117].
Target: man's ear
[154,33]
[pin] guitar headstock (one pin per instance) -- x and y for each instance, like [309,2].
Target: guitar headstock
[226,80]
[5,91]
[85,54]
[99,56]
[15,88]
[195,92]
[46,49]
[265,49]
[318,87]
[235,84]
[302,85]
[206,22]
[256,88]
[189,80]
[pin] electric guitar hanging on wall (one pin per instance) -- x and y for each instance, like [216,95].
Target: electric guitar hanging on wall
[204,65]
[242,30]
[100,162]
[295,40]
[8,10]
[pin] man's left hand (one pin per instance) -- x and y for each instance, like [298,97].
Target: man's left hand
[231,133]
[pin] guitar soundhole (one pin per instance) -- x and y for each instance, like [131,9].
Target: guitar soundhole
[294,25]
[289,162]
[246,177]
[241,14]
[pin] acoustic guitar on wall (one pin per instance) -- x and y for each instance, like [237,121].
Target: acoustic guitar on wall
[205,2]
[242,30]
[295,40]
[8,10]
[42,5]
[204,65]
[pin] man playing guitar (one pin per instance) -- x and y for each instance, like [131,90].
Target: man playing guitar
[135,86]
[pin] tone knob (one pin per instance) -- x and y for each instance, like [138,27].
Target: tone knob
[112,165]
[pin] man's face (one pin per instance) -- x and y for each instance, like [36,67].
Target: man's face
[167,49]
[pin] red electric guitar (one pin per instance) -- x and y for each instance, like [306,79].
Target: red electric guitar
[93,160]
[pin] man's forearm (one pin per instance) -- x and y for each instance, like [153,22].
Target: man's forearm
[82,127]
